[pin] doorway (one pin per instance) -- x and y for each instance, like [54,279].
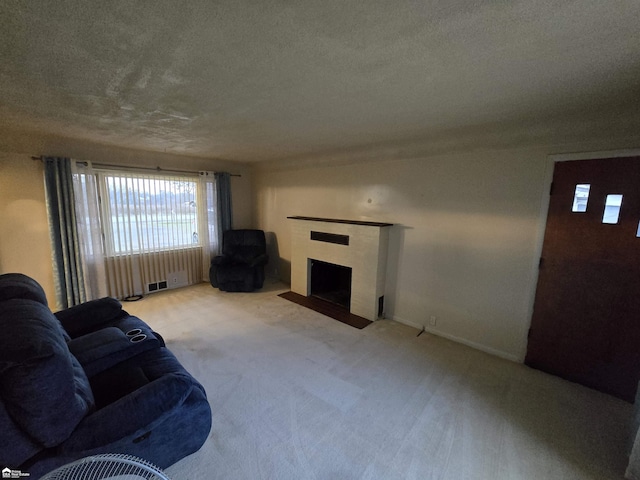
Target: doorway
[586,319]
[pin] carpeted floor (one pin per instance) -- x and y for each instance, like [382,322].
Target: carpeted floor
[297,395]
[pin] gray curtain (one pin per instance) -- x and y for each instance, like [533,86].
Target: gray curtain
[67,269]
[223,200]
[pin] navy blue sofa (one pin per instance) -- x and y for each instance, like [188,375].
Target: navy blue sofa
[86,380]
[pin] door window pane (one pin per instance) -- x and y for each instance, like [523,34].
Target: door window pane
[612,209]
[581,197]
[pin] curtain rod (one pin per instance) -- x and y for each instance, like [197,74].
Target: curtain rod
[156,169]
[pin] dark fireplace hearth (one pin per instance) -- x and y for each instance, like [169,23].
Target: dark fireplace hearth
[331,282]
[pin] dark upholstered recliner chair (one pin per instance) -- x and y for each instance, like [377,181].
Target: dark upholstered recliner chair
[240,268]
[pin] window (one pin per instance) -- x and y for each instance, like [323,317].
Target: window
[612,209]
[140,230]
[148,213]
[581,197]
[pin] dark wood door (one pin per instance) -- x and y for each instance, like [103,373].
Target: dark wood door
[586,319]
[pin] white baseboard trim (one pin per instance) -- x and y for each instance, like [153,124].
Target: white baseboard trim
[478,346]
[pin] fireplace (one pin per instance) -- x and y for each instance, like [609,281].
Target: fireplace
[331,282]
[341,261]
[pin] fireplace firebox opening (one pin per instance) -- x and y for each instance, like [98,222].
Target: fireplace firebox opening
[331,282]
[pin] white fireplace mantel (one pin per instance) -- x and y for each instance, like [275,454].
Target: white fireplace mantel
[365,254]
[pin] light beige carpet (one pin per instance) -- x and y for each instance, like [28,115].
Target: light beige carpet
[296,395]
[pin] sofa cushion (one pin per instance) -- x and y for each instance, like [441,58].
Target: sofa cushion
[42,385]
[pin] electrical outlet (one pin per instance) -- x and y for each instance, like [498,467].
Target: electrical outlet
[432,320]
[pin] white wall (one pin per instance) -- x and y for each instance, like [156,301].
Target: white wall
[465,242]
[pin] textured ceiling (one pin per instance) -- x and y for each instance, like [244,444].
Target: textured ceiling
[266,80]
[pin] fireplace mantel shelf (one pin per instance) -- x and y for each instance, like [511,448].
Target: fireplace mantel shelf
[336,220]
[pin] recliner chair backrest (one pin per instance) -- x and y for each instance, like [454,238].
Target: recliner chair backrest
[243,245]
[247,238]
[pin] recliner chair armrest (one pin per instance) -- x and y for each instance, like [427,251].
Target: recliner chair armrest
[89,316]
[259,260]
[221,260]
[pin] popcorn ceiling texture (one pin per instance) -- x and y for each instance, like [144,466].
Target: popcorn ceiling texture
[250,81]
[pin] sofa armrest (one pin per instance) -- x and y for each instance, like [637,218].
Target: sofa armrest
[89,316]
[100,350]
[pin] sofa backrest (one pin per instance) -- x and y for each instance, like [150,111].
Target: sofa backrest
[43,389]
[15,286]
[18,285]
